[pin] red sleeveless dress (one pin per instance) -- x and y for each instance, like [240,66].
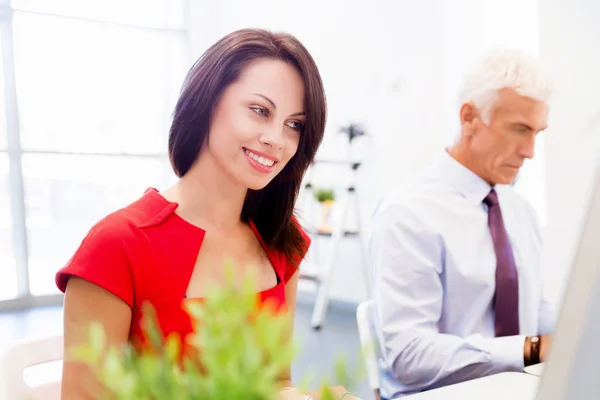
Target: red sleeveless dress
[144,253]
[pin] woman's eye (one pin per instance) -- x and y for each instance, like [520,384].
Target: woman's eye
[260,110]
[295,125]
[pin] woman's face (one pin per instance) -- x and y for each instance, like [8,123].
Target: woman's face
[256,126]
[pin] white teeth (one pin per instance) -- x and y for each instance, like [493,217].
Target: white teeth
[261,160]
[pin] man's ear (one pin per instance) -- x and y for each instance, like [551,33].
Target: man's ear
[468,118]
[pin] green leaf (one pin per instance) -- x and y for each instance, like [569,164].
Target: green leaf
[84,354]
[243,348]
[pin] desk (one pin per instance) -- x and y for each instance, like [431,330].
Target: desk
[537,369]
[503,386]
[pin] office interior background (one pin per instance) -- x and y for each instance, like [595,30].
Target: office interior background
[88,87]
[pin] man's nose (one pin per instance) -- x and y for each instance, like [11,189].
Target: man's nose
[527,149]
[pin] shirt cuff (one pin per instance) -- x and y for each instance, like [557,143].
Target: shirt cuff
[507,353]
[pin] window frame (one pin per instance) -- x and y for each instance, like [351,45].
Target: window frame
[15,152]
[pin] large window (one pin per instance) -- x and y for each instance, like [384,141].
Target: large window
[93,88]
[8,268]
[2,111]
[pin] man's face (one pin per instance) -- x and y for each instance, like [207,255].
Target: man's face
[499,149]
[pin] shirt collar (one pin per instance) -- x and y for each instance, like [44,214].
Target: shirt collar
[469,184]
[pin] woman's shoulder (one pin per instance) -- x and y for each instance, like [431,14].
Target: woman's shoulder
[114,245]
[148,210]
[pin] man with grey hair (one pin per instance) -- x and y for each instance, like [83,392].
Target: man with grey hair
[455,254]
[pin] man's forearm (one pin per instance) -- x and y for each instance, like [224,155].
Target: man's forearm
[433,359]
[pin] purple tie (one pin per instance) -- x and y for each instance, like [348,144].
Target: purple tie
[506,298]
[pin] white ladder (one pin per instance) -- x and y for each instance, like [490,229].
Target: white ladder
[322,274]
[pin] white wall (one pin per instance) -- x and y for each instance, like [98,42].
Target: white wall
[363,50]
[570,34]
[395,67]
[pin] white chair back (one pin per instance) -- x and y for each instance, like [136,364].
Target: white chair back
[370,346]
[26,353]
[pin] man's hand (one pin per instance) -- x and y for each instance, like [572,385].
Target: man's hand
[545,342]
[543,348]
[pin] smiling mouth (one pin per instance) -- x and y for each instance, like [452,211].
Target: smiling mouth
[265,162]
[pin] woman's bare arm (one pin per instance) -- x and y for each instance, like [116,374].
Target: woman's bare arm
[86,303]
[291,290]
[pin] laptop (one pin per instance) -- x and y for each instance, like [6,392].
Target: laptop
[536,370]
[573,362]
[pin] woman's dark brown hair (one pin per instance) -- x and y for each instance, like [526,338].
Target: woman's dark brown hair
[270,209]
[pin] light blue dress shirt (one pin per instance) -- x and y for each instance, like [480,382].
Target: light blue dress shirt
[433,276]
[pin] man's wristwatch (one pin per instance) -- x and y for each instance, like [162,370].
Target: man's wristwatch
[532,357]
[535,343]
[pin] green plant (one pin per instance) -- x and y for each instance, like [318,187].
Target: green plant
[323,195]
[241,350]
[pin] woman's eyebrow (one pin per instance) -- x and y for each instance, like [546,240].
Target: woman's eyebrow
[267,99]
[301,113]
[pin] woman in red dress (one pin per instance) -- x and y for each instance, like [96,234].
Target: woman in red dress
[248,122]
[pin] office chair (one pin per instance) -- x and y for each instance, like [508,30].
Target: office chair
[26,353]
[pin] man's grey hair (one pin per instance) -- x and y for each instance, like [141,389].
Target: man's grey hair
[504,69]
